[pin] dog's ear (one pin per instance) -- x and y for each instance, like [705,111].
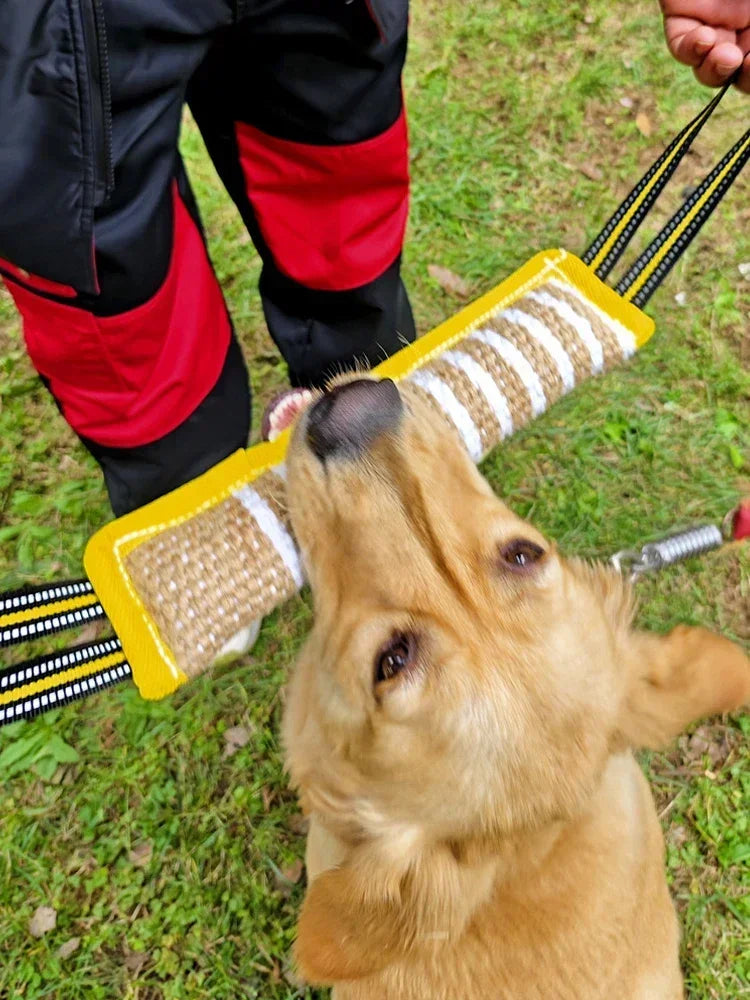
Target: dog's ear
[345,930]
[678,678]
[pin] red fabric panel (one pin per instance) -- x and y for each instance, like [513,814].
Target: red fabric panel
[333,216]
[40,284]
[741,522]
[128,379]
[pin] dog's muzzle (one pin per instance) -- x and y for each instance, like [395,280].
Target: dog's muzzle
[349,418]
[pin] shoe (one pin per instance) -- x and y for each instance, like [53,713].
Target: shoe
[239,644]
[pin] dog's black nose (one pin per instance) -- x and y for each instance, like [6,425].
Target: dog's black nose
[351,416]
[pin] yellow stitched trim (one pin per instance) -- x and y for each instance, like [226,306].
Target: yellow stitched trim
[63,677]
[39,611]
[128,542]
[664,249]
[107,549]
[615,309]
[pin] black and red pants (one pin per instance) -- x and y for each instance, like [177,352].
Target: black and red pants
[300,107]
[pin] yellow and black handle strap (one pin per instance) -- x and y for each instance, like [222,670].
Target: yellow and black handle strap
[614,238]
[38,611]
[657,260]
[47,682]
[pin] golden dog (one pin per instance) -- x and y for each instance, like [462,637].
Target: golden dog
[460,727]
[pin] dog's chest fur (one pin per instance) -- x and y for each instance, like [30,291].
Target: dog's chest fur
[577,930]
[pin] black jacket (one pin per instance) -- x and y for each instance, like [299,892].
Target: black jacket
[56,165]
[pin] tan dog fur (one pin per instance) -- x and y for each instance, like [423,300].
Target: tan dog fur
[480,828]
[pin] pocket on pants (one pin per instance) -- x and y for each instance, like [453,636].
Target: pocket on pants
[55,131]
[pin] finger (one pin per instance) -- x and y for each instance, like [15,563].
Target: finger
[743,81]
[689,40]
[721,62]
[732,14]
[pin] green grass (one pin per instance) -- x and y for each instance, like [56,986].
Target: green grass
[507,103]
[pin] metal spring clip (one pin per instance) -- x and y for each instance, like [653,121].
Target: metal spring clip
[673,548]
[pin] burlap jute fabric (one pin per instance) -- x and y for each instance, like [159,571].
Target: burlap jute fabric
[220,553]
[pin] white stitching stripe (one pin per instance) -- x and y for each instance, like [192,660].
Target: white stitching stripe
[274,530]
[515,360]
[453,408]
[486,385]
[549,342]
[625,337]
[579,323]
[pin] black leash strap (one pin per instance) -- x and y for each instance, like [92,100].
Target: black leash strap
[655,263]
[614,238]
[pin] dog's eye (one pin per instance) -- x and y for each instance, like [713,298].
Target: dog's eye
[520,554]
[395,657]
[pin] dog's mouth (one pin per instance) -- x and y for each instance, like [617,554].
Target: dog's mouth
[343,421]
[283,410]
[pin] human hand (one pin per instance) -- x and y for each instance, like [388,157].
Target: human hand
[712,36]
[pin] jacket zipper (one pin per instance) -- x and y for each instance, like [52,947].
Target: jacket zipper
[101,98]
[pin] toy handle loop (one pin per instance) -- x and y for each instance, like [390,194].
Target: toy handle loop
[658,259]
[614,238]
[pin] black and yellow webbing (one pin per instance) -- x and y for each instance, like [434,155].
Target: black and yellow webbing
[648,272]
[614,238]
[39,611]
[56,679]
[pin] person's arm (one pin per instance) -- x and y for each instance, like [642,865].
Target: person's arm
[712,36]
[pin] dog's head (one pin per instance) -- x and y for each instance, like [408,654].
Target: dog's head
[462,679]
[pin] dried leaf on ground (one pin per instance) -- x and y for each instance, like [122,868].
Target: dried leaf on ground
[449,281]
[141,854]
[298,823]
[234,738]
[644,124]
[677,835]
[712,741]
[135,960]
[68,948]
[43,920]
[91,631]
[293,872]
[589,170]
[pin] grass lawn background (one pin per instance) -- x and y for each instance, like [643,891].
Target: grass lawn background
[176,864]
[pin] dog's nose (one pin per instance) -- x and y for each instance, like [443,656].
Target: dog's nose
[351,416]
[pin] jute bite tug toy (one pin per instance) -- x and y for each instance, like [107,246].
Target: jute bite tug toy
[181,576]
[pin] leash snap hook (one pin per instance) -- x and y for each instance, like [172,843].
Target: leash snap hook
[630,561]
